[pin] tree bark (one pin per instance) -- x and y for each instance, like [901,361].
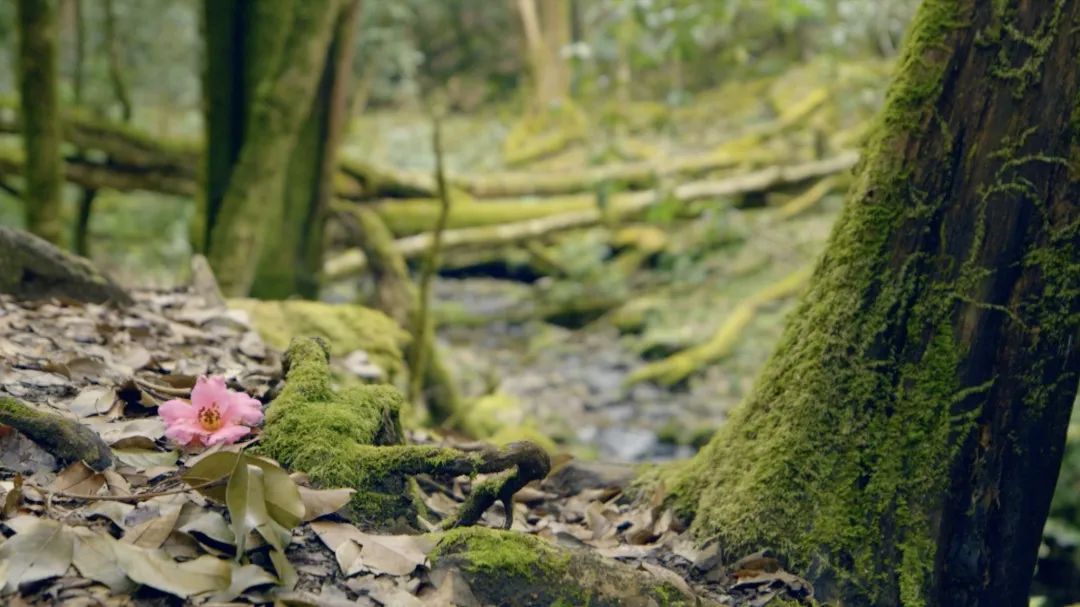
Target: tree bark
[901,445]
[40,117]
[265,61]
[291,263]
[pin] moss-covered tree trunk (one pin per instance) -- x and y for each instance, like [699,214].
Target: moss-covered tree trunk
[40,116]
[902,443]
[292,262]
[267,63]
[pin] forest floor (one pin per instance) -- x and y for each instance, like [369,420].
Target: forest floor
[111,368]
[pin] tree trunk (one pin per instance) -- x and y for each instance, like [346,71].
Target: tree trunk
[116,64]
[265,62]
[902,443]
[547,30]
[40,114]
[292,262]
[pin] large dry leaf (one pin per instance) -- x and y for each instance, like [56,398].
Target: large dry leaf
[153,568]
[135,433]
[152,533]
[143,459]
[208,528]
[95,558]
[40,549]
[451,589]
[392,554]
[321,502]
[78,479]
[244,578]
[95,400]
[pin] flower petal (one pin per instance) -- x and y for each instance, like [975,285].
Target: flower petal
[172,411]
[209,390]
[182,432]
[228,434]
[247,409]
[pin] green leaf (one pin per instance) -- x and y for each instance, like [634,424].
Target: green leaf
[283,500]
[245,497]
[287,576]
[211,469]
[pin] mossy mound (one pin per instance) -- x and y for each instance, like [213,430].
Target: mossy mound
[344,327]
[511,568]
[346,438]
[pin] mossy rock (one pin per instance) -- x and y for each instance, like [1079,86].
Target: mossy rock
[512,568]
[345,328]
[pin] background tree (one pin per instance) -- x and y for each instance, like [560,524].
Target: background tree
[40,117]
[266,65]
[903,441]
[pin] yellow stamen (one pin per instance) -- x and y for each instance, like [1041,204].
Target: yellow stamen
[210,417]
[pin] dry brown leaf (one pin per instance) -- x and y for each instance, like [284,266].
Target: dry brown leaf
[95,400]
[40,549]
[78,479]
[152,533]
[321,502]
[392,554]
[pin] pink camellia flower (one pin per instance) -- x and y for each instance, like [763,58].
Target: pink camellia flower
[215,415]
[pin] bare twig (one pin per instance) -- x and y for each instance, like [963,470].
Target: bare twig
[422,325]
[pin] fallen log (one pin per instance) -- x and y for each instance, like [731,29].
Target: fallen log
[32,268]
[65,439]
[123,178]
[140,161]
[621,206]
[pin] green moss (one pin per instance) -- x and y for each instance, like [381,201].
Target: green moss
[512,568]
[495,552]
[344,327]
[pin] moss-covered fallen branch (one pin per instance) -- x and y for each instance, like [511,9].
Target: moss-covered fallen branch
[679,366]
[66,440]
[492,223]
[353,438]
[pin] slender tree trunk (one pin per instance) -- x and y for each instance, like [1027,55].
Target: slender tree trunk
[268,59]
[81,243]
[40,115]
[116,63]
[547,32]
[902,443]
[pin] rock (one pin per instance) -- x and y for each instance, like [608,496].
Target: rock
[577,475]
